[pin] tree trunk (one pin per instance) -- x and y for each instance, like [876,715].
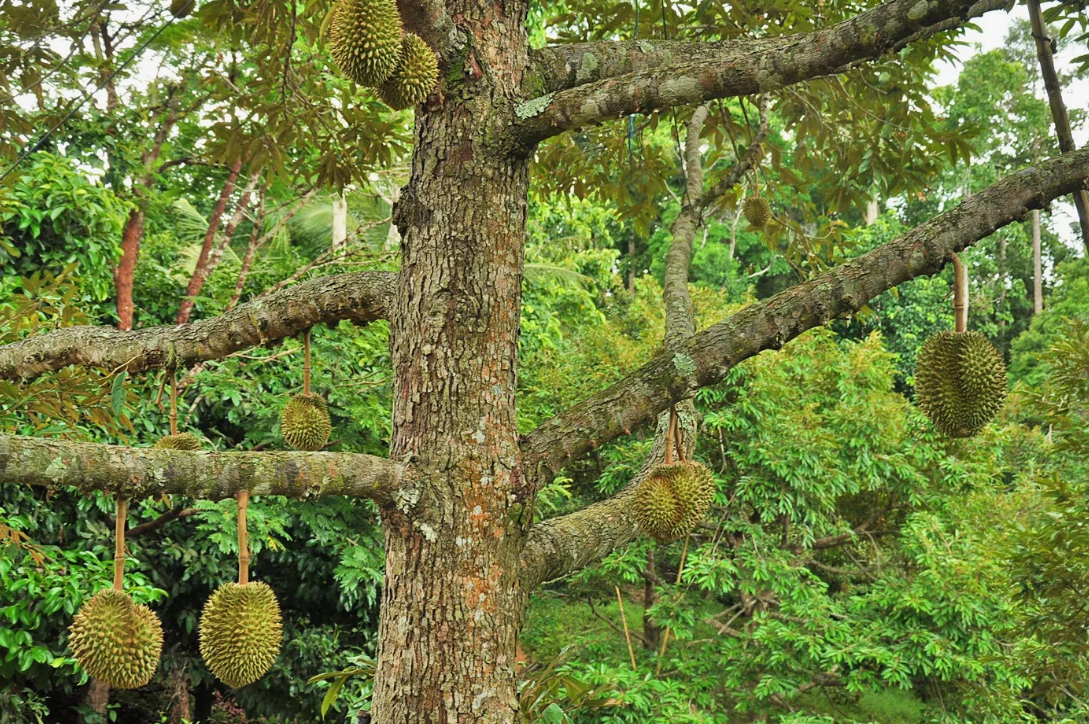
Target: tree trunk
[340,220]
[131,236]
[1058,108]
[1037,266]
[651,632]
[451,604]
[98,696]
[196,282]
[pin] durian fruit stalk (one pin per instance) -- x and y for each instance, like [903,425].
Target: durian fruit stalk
[112,638]
[960,379]
[757,211]
[241,627]
[365,39]
[414,78]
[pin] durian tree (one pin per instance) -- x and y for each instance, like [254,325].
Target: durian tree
[458,488]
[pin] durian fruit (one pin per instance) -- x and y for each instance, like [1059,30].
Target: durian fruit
[414,79]
[757,211]
[305,422]
[115,640]
[181,8]
[673,498]
[960,382]
[181,441]
[365,38]
[240,632]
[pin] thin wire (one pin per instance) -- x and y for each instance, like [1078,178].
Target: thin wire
[673,109]
[38,144]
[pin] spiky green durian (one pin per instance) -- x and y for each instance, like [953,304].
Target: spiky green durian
[365,39]
[115,640]
[414,78]
[240,632]
[305,422]
[181,441]
[757,211]
[181,8]
[673,498]
[960,382]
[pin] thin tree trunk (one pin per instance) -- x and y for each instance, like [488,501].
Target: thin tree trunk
[631,262]
[340,220]
[123,274]
[180,710]
[98,696]
[651,632]
[1037,266]
[196,282]
[1058,108]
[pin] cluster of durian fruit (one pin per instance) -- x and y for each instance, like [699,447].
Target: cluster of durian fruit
[672,499]
[119,642]
[370,46]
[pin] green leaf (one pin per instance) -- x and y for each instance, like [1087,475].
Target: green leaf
[117,394]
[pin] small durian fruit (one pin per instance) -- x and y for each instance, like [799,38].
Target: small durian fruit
[757,211]
[673,498]
[960,382]
[414,79]
[240,632]
[305,422]
[181,441]
[181,8]
[656,508]
[115,640]
[365,38]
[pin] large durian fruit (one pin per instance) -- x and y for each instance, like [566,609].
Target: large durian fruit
[115,640]
[181,441]
[365,39]
[960,382]
[240,632]
[304,422]
[414,78]
[757,211]
[672,499]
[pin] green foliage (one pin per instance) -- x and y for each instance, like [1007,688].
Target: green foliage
[52,219]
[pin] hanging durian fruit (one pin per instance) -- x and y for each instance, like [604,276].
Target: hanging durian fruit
[365,38]
[181,8]
[183,441]
[304,423]
[960,379]
[240,628]
[675,496]
[414,78]
[112,638]
[757,211]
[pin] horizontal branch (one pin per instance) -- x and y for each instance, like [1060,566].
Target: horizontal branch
[141,472]
[708,356]
[698,74]
[360,297]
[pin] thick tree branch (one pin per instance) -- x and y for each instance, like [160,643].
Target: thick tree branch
[677,74]
[140,472]
[431,21]
[360,297]
[562,545]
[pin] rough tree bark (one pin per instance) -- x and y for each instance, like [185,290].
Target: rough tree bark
[457,493]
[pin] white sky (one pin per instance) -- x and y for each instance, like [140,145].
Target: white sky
[992,34]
